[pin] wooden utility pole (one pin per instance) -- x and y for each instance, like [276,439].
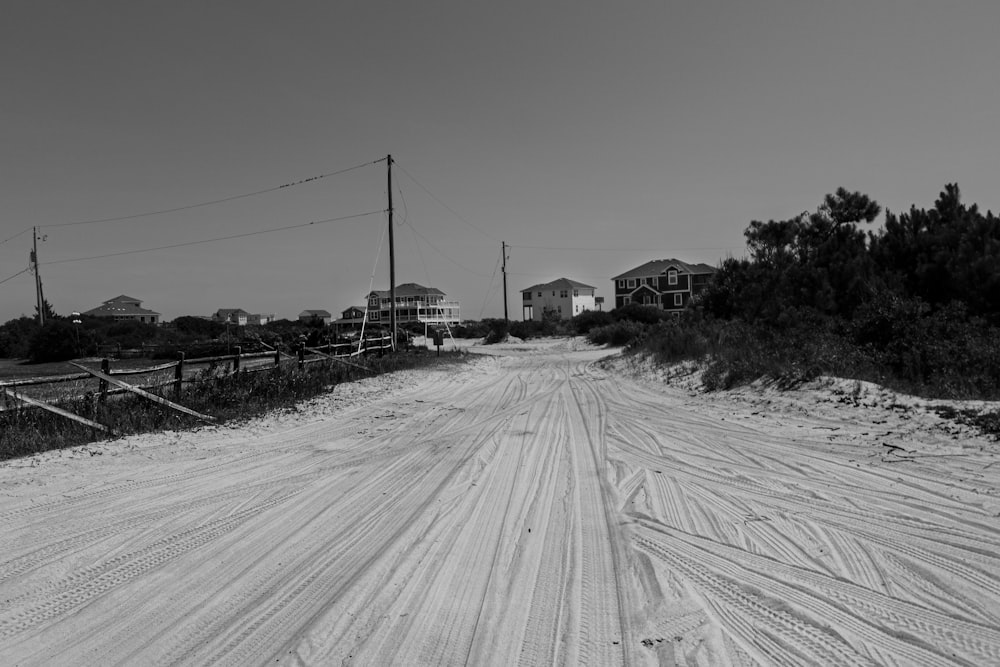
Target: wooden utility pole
[39,298]
[503,249]
[392,263]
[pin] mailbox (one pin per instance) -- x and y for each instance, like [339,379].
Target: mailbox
[438,338]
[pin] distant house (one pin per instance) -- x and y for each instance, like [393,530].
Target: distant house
[414,303]
[562,298]
[240,317]
[236,316]
[351,317]
[125,308]
[668,284]
[315,316]
[260,318]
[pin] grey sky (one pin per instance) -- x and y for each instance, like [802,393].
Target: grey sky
[627,131]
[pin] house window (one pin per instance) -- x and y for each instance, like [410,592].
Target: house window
[626,300]
[563,294]
[621,284]
[672,277]
[678,299]
[559,309]
[576,292]
[631,283]
[539,295]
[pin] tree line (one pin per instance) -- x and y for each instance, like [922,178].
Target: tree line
[914,304]
[60,339]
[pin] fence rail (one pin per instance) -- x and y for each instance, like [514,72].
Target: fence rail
[183,371]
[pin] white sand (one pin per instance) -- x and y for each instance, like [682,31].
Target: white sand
[534,507]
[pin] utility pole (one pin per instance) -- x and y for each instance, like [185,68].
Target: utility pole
[39,297]
[503,249]
[392,262]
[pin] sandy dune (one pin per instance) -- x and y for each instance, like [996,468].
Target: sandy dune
[534,507]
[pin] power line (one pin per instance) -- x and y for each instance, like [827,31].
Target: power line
[441,252]
[438,200]
[220,238]
[11,238]
[24,270]
[489,290]
[214,201]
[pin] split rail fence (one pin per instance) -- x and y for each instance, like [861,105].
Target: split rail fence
[172,374]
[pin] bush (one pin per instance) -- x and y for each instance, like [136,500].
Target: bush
[619,334]
[636,312]
[55,341]
[589,319]
[15,337]
[497,331]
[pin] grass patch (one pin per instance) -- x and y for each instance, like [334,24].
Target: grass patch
[240,396]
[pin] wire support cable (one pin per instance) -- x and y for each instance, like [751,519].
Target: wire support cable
[11,238]
[212,240]
[214,201]
[24,270]
[439,201]
[442,253]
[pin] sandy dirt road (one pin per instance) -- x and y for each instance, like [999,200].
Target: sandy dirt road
[531,508]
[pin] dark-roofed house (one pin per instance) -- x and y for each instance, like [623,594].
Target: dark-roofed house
[125,308]
[562,298]
[668,284]
[351,317]
[313,316]
[414,303]
[232,315]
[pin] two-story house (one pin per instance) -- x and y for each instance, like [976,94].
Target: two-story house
[562,298]
[316,316]
[668,284]
[236,316]
[352,317]
[414,303]
[125,308]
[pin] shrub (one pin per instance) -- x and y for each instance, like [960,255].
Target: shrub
[636,312]
[589,319]
[618,334]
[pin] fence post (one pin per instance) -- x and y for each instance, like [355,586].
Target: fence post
[178,374]
[277,357]
[103,384]
[381,347]
[236,359]
[302,355]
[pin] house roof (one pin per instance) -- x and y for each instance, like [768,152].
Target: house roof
[113,307]
[560,283]
[121,298]
[658,267]
[226,312]
[316,313]
[409,289]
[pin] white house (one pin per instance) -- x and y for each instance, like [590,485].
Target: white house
[563,298]
[414,303]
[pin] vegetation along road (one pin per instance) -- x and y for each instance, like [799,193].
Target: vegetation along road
[533,507]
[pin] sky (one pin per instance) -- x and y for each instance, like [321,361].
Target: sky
[590,137]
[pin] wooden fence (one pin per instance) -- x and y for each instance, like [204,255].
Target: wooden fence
[171,374]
